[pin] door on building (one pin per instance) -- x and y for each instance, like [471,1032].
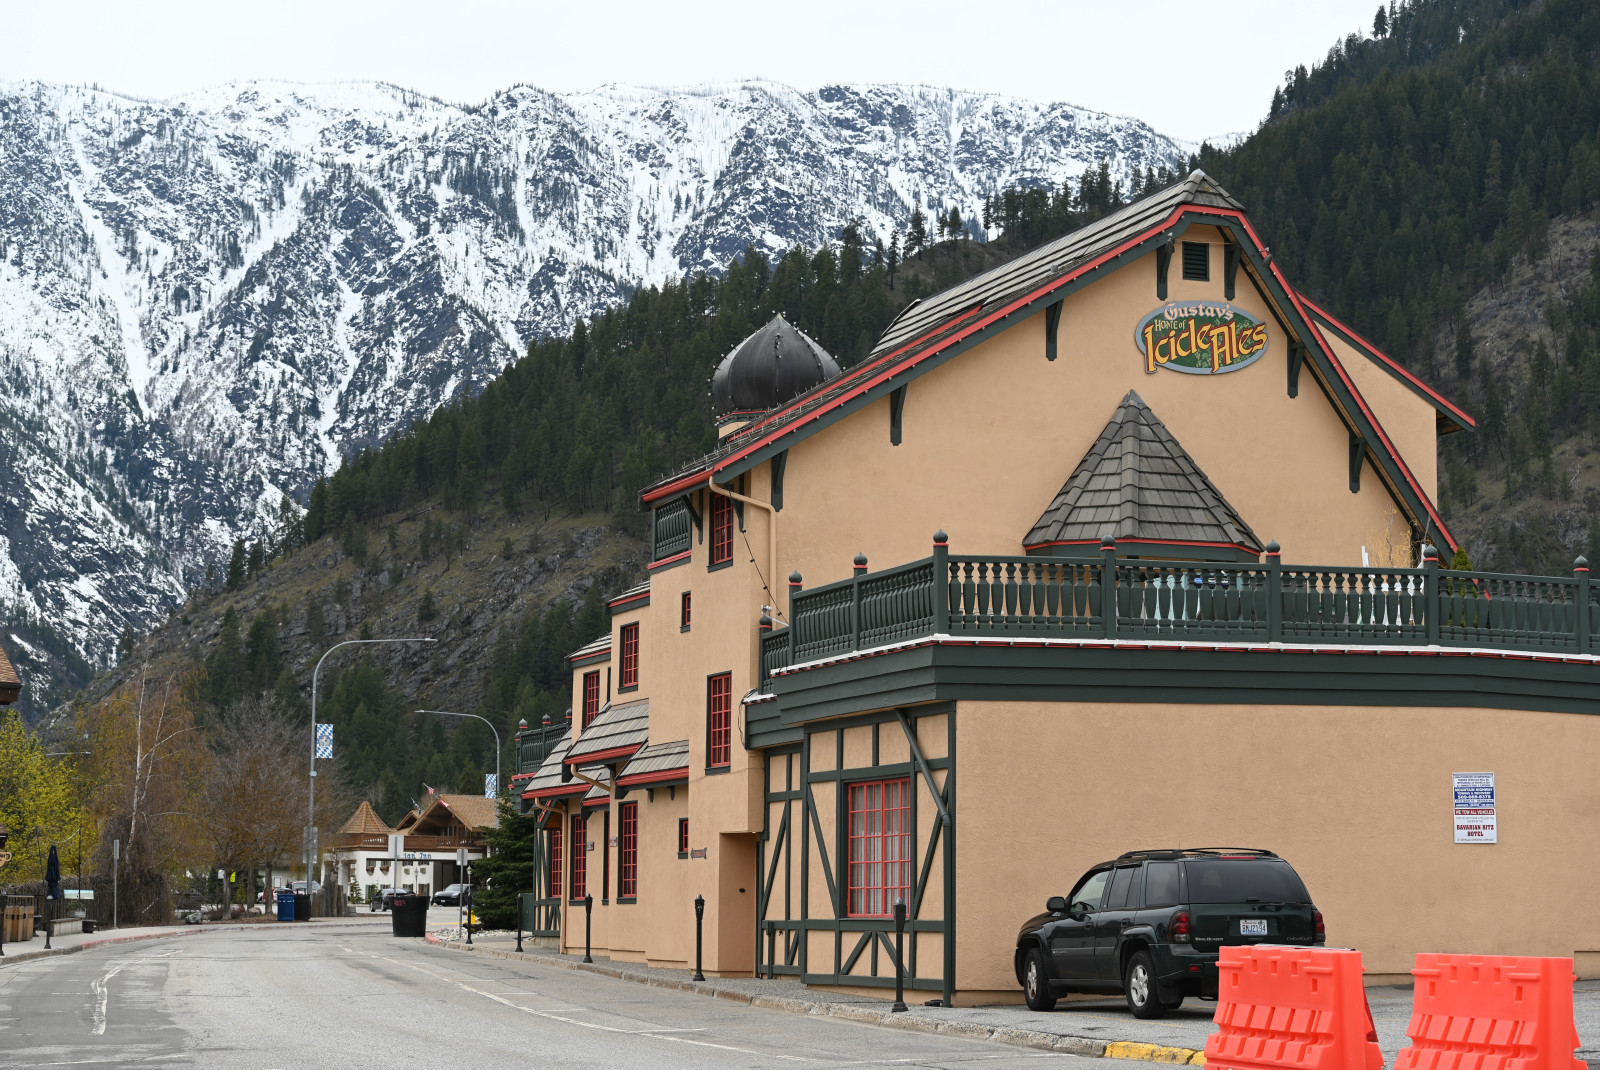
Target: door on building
[1072,937]
[1115,915]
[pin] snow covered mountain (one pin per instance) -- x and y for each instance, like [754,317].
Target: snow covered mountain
[206,301]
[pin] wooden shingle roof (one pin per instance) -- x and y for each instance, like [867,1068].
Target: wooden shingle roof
[365,822]
[616,731]
[10,682]
[1139,485]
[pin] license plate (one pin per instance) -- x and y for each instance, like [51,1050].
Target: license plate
[1249,927]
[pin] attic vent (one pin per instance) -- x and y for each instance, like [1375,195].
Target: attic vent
[1197,261]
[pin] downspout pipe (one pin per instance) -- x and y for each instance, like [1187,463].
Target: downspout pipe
[772,527]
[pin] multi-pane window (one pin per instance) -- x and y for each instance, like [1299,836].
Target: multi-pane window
[683,835]
[555,862]
[880,847]
[630,655]
[683,614]
[591,696]
[721,529]
[719,719]
[627,850]
[580,857]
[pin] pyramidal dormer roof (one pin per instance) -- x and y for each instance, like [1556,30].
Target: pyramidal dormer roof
[365,822]
[1137,484]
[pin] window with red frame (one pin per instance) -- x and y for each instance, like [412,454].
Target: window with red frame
[591,696]
[721,529]
[880,847]
[719,720]
[555,862]
[580,857]
[630,655]
[628,850]
[683,615]
[683,835]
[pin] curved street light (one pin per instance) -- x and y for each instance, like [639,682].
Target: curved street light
[311,789]
[498,786]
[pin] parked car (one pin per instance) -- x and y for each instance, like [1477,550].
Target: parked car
[385,899]
[300,886]
[451,896]
[1150,925]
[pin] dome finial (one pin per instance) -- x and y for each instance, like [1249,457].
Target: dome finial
[756,376]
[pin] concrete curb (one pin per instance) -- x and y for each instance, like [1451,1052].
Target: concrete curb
[1035,1039]
[90,945]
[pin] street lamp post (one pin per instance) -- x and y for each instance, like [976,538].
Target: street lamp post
[311,781]
[446,713]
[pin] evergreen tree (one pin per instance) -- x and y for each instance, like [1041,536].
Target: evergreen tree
[508,870]
[917,232]
[236,565]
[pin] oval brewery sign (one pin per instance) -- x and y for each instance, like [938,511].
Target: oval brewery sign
[1205,338]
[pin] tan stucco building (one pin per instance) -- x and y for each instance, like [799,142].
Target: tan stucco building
[1023,591]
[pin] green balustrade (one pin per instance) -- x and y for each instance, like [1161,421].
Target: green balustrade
[1042,597]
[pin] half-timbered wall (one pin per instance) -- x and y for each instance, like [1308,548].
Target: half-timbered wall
[804,925]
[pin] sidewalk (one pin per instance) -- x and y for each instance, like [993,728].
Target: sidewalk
[68,943]
[1101,1028]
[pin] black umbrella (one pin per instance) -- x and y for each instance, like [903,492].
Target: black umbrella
[52,875]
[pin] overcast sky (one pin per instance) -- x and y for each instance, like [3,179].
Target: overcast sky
[1190,70]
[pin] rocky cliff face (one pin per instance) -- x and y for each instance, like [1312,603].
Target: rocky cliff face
[206,301]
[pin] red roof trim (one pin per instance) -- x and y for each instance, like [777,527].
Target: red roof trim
[555,793]
[869,383]
[665,561]
[1344,376]
[601,755]
[652,778]
[624,602]
[1388,361]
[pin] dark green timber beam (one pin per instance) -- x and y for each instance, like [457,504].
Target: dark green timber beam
[897,406]
[1230,269]
[1163,262]
[780,461]
[1358,456]
[1297,357]
[1052,321]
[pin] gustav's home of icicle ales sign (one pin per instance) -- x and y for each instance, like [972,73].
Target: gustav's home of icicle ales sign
[1203,338]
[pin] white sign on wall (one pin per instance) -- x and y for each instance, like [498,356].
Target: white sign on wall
[1473,798]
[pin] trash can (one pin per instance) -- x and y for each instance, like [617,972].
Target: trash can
[285,905]
[302,906]
[409,912]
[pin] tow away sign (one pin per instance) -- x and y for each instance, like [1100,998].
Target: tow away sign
[1474,807]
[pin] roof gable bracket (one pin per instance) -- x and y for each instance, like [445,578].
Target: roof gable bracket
[1358,455]
[897,405]
[1163,261]
[1297,357]
[1230,269]
[1052,321]
[780,461]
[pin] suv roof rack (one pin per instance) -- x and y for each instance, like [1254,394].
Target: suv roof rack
[1193,852]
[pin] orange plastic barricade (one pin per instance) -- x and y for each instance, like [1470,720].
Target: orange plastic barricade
[1293,1007]
[1491,1012]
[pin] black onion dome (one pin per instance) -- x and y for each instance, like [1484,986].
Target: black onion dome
[772,366]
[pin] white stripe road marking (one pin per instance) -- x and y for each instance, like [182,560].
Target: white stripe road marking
[657,1034]
[102,993]
[102,990]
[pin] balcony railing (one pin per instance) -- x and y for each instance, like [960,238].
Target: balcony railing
[1042,597]
[414,842]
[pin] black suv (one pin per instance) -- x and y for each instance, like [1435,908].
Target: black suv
[1150,925]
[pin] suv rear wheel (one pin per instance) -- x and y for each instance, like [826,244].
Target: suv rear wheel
[1036,983]
[1139,983]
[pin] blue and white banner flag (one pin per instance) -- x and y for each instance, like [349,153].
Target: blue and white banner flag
[324,741]
[491,786]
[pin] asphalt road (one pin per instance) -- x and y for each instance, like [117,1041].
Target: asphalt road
[337,996]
